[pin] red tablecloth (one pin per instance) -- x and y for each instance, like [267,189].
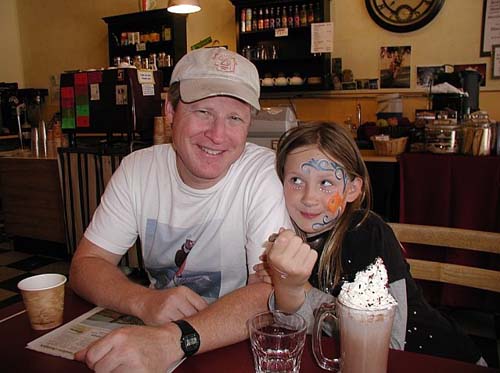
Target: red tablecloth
[454,191]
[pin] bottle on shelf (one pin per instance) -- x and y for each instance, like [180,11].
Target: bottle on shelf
[254,20]
[317,13]
[272,20]
[284,18]
[310,14]
[243,25]
[260,20]
[303,15]
[290,16]
[266,18]
[248,20]
[296,16]
[277,22]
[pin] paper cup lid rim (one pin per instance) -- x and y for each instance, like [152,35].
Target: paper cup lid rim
[49,284]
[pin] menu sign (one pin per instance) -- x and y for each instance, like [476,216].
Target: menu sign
[322,37]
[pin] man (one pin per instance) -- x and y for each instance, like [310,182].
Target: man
[209,201]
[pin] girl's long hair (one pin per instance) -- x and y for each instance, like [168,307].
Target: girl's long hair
[336,143]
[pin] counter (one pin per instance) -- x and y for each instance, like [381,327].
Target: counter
[32,203]
[31,196]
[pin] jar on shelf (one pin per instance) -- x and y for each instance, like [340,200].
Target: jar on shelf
[479,134]
[138,61]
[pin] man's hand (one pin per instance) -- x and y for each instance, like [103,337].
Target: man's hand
[134,349]
[162,306]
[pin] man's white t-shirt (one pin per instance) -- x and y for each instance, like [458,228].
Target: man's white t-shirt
[205,239]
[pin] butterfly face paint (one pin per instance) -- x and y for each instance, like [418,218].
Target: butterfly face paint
[315,189]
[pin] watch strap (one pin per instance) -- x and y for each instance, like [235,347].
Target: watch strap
[190,339]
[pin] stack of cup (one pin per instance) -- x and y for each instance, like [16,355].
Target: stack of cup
[162,131]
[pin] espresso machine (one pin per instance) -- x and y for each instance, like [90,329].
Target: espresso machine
[463,103]
[20,110]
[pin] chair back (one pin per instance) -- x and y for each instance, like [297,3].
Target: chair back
[83,175]
[467,239]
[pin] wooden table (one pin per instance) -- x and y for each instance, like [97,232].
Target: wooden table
[16,333]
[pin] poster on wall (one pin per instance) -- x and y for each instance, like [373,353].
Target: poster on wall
[427,75]
[395,70]
[490,32]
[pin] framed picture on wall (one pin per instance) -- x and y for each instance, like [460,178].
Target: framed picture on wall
[490,32]
[495,61]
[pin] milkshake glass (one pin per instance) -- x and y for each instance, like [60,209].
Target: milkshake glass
[364,338]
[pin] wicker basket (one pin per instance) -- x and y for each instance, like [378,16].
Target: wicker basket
[389,147]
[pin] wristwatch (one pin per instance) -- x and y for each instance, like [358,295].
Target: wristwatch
[190,339]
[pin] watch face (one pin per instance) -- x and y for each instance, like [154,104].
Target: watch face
[403,15]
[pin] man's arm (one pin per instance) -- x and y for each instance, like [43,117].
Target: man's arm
[149,349]
[94,275]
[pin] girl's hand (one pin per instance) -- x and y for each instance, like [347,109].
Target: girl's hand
[290,259]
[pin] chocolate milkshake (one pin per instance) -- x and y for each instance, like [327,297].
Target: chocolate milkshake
[365,312]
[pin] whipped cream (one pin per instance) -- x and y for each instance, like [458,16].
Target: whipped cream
[370,289]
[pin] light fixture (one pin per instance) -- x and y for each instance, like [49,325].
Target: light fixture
[183,6]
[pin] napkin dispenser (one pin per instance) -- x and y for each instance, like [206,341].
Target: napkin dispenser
[270,123]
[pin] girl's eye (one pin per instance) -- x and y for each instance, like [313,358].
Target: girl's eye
[326,183]
[296,181]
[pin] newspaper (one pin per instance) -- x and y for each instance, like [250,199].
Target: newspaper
[77,334]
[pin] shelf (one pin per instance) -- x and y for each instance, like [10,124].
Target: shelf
[146,23]
[301,92]
[293,50]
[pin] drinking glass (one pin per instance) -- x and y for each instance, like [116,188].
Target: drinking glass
[277,339]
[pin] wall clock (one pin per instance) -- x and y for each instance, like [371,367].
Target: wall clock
[403,15]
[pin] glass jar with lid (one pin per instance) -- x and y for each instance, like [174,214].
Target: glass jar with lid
[443,136]
[479,134]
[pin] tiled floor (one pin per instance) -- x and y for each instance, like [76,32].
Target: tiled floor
[18,264]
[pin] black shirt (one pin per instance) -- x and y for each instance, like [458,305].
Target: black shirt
[428,331]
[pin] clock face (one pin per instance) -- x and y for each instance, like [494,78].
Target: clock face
[403,15]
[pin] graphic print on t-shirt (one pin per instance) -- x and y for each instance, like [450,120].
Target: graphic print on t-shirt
[172,259]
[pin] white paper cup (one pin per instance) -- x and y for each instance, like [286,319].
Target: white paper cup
[43,297]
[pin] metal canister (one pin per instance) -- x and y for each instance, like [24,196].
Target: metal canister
[479,135]
[443,137]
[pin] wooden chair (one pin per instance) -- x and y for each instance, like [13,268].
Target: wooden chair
[466,239]
[470,276]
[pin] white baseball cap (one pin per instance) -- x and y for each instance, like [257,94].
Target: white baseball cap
[208,72]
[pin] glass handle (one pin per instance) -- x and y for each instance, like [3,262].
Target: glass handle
[325,310]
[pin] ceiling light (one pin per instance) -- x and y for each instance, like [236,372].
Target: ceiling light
[183,6]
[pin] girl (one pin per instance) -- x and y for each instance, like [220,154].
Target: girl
[327,194]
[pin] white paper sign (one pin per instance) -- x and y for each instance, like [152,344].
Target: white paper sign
[145,77]
[148,89]
[280,32]
[322,37]
[491,25]
[94,92]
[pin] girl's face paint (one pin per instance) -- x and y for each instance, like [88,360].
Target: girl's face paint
[315,189]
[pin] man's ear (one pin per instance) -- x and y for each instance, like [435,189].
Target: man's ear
[354,189]
[169,111]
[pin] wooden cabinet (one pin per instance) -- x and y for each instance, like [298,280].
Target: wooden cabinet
[282,53]
[146,33]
